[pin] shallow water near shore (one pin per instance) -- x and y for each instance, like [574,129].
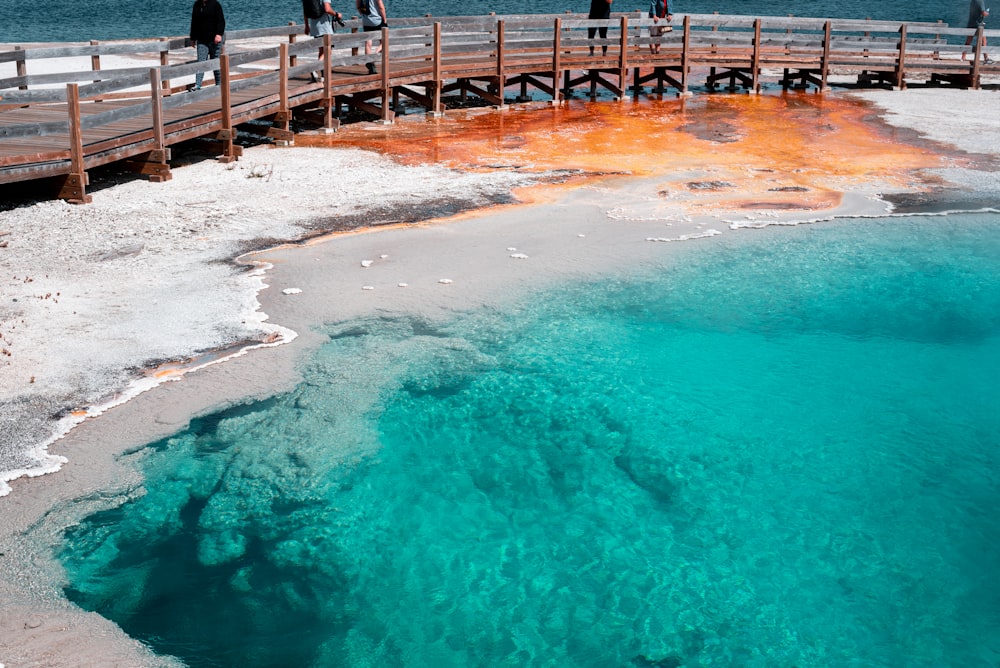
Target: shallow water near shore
[780,452]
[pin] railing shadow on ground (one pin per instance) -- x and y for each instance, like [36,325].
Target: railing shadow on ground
[58,123]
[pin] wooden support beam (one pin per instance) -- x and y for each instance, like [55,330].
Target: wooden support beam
[165,60]
[685,55]
[22,68]
[229,152]
[556,60]
[278,134]
[623,58]
[501,72]
[901,59]
[435,94]
[977,55]
[284,116]
[328,119]
[755,59]
[387,113]
[95,60]
[825,60]
[74,186]
[159,170]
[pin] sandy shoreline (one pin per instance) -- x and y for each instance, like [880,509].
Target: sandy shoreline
[164,280]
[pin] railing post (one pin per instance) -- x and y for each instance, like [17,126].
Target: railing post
[22,68]
[825,62]
[228,133]
[387,114]
[901,59]
[977,53]
[501,74]
[685,55]
[159,158]
[755,59]
[74,187]
[292,36]
[285,113]
[436,71]
[95,60]
[95,64]
[556,61]
[623,57]
[328,122]
[165,61]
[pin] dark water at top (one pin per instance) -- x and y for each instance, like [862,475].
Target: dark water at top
[63,20]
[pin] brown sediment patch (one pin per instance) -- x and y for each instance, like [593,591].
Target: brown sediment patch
[796,150]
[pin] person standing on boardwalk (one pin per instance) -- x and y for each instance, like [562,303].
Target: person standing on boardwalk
[659,10]
[208,28]
[977,19]
[599,9]
[373,18]
[319,17]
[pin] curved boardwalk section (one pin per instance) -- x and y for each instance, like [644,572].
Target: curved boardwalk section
[57,122]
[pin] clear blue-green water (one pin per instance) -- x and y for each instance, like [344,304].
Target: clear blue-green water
[779,451]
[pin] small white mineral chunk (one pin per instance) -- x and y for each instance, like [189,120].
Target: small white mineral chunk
[291,291]
[366,263]
[446,281]
[519,256]
[367,287]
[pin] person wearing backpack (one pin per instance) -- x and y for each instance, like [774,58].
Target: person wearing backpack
[208,28]
[372,13]
[319,17]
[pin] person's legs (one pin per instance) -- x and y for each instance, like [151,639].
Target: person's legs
[604,35]
[202,56]
[968,41]
[369,49]
[213,52]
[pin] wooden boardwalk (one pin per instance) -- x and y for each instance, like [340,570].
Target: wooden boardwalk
[57,126]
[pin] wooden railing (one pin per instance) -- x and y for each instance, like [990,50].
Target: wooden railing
[62,123]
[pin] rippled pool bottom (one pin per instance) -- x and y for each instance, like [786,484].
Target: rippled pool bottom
[781,453]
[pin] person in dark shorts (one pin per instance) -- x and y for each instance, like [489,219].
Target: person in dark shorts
[373,19]
[977,18]
[208,27]
[317,26]
[599,9]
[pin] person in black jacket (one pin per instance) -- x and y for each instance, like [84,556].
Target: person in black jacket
[208,27]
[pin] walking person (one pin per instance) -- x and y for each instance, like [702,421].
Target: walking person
[659,10]
[208,29]
[319,17]
[599,9]
[977,19]
[373,18]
